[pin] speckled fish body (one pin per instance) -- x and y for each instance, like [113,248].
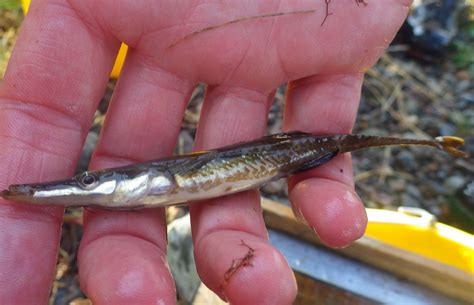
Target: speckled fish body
[206,174]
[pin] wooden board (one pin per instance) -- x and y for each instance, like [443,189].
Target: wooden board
[310,292]
[448,280]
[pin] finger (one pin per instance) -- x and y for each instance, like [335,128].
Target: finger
[47,99]
[230,230]
[328,104]
[325,196]
[122,258]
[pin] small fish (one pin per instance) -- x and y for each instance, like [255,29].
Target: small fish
[206,174]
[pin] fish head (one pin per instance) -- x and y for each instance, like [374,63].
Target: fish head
[86,189]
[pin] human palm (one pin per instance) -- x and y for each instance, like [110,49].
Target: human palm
[55,79]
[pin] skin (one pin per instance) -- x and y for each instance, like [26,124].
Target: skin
[56,77]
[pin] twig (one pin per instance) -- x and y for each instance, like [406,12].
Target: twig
[240,262]
[327,14]
[242,19]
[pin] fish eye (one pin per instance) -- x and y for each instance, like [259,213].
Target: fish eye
[87,180]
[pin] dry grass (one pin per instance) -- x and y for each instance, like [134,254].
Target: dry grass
[10,20]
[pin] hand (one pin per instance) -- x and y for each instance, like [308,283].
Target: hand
[55,79]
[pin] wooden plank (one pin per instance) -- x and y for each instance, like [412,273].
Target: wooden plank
[311,291]
[440,277]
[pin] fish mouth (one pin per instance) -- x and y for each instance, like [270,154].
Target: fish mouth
[5,194]
[41,193]
[15,192]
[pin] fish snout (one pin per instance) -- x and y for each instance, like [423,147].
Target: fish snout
[15,191]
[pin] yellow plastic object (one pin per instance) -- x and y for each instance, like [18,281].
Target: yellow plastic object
[417,231]
[120,56]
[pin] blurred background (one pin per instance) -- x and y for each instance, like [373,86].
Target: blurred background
[421,87]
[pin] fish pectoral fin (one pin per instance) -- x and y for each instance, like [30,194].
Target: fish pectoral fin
[193,164]
[312,163]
